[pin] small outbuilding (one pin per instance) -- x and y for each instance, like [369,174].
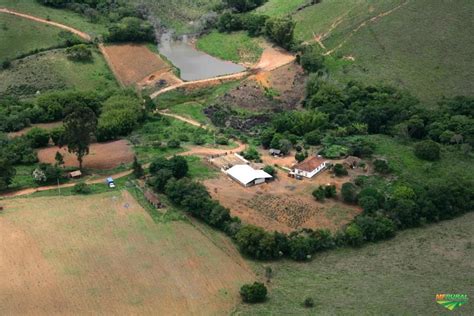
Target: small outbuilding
[275,152]
[247,176]
[75,174]
[310,167]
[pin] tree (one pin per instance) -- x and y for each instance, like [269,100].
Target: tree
[39,137]
[428,150]
[270,170]
[179,166]
[300,156]
[79,53]
[312,60]
[381,166]
[319,194]
[281,31]
[137,169]
[339,170]
[82,188]
[253,293]
[79,127]
[353,235]
[59,158]
[7,172]
[244,5]
[349,192]
[160,179]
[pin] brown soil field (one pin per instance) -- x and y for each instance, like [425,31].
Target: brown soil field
[103,254]
[284,204]
[40,125]
[102,155]
[133,63]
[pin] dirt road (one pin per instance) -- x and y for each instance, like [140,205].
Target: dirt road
[182,118]
[81,34]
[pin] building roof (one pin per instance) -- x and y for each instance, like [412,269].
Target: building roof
[310,164]
[151,197]
[352,160]
[75,174]
[246,174]
[275,151]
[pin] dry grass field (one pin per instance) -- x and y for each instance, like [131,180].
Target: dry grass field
[103,254]
[102,155]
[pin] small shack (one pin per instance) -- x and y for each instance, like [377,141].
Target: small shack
[247,176]
[75,174]
[153,199]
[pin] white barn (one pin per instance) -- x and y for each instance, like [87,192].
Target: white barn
[247,176]
[310,167]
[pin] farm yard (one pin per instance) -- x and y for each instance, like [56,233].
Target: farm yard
[133,63]
[284,204]
[102,156]
[104,254]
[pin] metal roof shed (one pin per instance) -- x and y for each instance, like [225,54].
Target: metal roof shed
[247,176]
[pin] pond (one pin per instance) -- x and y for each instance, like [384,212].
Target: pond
[192,63]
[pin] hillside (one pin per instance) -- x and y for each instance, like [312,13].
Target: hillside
[423,46]
[401,276]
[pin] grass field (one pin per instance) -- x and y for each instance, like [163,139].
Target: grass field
[402,159]
[103,254]
[57,15]
[397,277]
[422,46]
[237,47]
[52,70]
[21,36]
[192,110]
[281,7]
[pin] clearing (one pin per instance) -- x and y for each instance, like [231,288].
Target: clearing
[103,254]
[102,156]
[284,204]
[133,63]
[52,70]
[402,276]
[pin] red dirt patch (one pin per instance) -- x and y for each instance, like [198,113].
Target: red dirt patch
[102,156]
[133,63]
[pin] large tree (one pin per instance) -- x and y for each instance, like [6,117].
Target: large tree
[79,128]
[7,172]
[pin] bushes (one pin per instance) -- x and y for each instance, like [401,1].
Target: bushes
[82,188]
[120,115]
[312,60]
[46,173]
[349,192]
[79,53]
[38,137]
[381,166]
[427,150]
[253,293]
[324,191]
[340,170]
[281,31]
[7,172]
[131,29]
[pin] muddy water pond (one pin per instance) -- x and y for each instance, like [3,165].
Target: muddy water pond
[192,63]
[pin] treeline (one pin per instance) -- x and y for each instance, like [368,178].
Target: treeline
[279,29]
[126,23]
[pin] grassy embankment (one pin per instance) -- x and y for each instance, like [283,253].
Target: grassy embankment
[237,47]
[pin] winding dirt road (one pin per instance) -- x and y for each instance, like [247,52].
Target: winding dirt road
[81,34]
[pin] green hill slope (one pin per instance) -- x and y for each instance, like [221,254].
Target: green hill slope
[424,46]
